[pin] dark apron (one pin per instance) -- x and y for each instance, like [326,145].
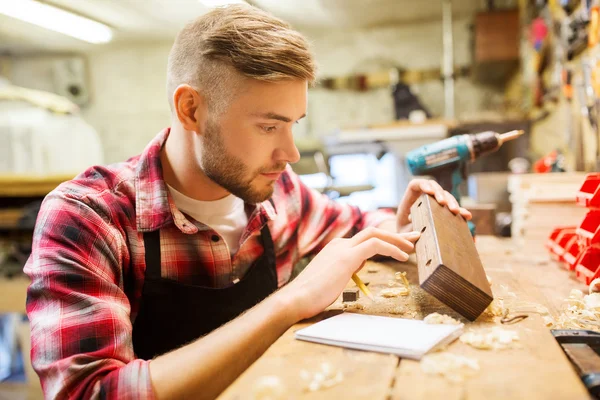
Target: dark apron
[173,314]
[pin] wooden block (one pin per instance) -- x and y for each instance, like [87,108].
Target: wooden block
[448,262]
[350,295]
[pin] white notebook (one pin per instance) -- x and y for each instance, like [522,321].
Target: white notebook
[406,338]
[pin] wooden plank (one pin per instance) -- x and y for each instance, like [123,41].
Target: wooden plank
[449,266]
[30,185]
[366,375]
[537,370]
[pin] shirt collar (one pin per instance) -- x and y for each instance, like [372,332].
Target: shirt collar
[155,207]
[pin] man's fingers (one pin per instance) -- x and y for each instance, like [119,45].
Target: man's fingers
[402,240]
[375,246]
[466,213]
[452,203]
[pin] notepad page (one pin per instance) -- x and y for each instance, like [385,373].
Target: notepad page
[404,337]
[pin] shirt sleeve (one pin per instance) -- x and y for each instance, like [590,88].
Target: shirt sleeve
[323,219]
[81,331]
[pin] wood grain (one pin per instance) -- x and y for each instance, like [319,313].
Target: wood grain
[537,370]
[449,266]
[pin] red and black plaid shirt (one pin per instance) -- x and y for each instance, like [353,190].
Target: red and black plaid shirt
[87,265]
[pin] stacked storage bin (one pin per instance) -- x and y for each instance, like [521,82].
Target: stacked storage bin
[577,248]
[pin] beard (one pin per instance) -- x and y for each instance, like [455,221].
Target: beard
[230,172]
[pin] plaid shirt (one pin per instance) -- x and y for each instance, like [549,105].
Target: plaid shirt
[87,265]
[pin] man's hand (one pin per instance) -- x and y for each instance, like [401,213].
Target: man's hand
[417,187]
[328,273]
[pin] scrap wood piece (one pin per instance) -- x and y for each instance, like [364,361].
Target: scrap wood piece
[449,266]
[350,294]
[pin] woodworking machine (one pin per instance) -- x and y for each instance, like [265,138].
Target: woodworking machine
[447,159]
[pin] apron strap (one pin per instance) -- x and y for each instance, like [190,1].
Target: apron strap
[152,253]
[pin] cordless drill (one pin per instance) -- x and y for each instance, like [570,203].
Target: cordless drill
[446,160]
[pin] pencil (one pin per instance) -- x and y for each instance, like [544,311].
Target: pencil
[362,287]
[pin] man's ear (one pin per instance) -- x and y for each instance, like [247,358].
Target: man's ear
[190,107]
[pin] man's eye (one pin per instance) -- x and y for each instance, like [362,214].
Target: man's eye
[269,129]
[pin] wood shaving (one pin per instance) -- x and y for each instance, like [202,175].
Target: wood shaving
[436,318]
[324,378]
[548,321]
[495,309]
[353,306]
[397,310]
[579,312]
[392,283]
[451,366]
[401,276]
[394,292]
[594,286]
[495,338]
[269,387]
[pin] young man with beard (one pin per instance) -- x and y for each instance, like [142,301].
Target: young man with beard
[166,276]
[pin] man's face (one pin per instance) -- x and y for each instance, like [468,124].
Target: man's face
[247,148]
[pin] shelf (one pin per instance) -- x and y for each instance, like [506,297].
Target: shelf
[30,185]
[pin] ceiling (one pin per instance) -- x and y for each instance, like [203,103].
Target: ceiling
[159,20]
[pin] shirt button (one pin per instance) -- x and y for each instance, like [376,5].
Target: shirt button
[215,238]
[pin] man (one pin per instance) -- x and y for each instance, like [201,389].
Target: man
[159,277]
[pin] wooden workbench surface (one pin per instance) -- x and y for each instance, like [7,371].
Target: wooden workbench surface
[536,370]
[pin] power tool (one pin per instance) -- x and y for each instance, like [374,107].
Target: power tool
[446,160]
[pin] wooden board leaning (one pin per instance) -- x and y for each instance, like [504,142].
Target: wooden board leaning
[449,266]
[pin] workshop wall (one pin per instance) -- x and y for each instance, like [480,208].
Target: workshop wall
[128,103]
[411,46]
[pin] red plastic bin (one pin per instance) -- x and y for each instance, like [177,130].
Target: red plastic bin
[573,250]
[587,267]
[589,229]
[558,233]
[589,195]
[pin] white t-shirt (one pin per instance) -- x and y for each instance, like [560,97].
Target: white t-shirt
[226,216]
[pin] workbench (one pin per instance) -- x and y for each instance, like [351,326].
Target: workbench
[537,370]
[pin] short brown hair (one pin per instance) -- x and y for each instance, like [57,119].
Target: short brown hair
[238,38]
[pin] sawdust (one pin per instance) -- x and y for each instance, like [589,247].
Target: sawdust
[437,318]
[394,292]
[494,338]
[451,366]
[372,270]
[327,376]
[401,276]
[578,312]
[269,387]
[353,306]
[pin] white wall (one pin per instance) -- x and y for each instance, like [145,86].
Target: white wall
[410,46]
[127,83]
[128,104]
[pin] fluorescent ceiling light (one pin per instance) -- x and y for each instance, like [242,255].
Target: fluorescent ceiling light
[221,3]
[55,19]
